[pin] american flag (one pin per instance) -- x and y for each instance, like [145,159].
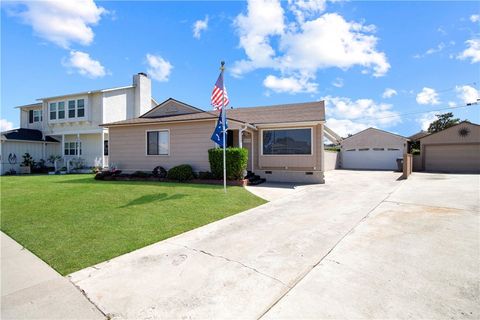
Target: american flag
[217,94]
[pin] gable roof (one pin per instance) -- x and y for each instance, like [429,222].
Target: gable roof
[284,113]
[456,125]
[379,130]
[418,135]
[27,135]
[167,103]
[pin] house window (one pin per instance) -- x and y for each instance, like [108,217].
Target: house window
[158,142]
[378,149]
[351,150]
[80,108]
[363,149]
[53,111]
[393,149]
[70,148]
[37,115]
[287,141]
[61,110]
[71,109]
[105,147]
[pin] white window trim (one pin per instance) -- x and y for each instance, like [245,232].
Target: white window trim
[67,118]
[287,155]
[146,143]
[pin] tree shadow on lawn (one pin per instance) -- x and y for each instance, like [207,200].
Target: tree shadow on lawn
[91,181]
[149,198]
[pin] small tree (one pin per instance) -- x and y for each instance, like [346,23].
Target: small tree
[27,160]
[443,122]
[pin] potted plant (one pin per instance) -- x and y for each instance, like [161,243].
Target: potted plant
[63,170]
[27,164]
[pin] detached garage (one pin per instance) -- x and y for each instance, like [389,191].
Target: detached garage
[372,149]
[455,149]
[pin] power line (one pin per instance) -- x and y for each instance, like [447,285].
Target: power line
[421,112]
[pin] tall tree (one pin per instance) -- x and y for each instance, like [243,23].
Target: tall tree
[444,121]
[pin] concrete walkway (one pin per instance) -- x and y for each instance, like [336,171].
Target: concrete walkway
[240,266]
[364,245]
[32,290]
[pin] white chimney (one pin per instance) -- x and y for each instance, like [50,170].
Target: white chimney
[143,93]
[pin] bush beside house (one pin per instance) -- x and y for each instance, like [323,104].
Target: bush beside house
[236,162]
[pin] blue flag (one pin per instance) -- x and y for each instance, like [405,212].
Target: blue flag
[217,135]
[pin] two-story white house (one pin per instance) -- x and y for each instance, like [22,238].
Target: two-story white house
[68,125]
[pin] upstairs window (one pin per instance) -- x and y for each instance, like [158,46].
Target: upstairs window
[287,141]
[158,143]
[37,115]
[61,110]
[53,111]
[71,109]
[80,108]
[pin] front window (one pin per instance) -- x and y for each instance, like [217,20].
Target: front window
[287,141]
[53,111]
[158,142]
[80,108]
[72,148]
[105,147]
[71,109]
[61,110]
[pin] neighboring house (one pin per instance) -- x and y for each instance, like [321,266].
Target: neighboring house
[418,135]
[285,142]
[372,149]
[73,120]
[455,149]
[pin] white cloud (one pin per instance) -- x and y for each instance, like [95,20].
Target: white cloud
[289,84]
[345,127]
[199,26]
[84,64]
[159,68]
[475,18]
[467,94]
[471,52]
[304,46]
[61,22]
[388,93]
[431,51]
[427,96]
[338,82]
[426,119]
[5,125]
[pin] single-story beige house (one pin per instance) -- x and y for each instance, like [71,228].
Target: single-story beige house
[285,142]
[372,149]
[455,149]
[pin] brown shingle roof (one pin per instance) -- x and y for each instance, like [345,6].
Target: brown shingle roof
[296,112]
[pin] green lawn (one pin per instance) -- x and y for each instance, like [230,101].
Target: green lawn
[74,221]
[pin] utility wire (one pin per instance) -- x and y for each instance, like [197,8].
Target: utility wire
[421,112]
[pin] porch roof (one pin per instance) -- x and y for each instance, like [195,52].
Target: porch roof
[27,135]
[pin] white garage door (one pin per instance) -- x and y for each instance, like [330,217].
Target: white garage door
[452,158]
[371,158]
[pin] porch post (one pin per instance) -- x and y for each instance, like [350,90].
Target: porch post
[240,133]
[62,150]
[78,145]
[102,149]
[253,153]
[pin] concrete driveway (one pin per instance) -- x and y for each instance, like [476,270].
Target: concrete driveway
[364,245]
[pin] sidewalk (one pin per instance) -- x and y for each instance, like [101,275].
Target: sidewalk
[32,290]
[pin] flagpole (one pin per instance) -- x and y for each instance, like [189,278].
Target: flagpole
[222,68]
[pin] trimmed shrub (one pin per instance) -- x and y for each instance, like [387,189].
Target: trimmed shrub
[159,172]
[140,174]
[181,173]
[236,162]
[205,175]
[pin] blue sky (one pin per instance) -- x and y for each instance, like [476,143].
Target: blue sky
[372,62]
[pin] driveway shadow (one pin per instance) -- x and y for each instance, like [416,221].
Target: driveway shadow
[154,197]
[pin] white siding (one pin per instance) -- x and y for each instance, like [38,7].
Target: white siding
[118,105]
[19,148]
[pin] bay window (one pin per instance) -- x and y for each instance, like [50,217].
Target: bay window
[287,141]
[158,142]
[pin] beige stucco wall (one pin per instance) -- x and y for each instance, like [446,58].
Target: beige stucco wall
[189,144]
[451,135]
[372,138]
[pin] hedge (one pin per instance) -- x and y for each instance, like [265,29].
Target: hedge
[236,162]
[181,173]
